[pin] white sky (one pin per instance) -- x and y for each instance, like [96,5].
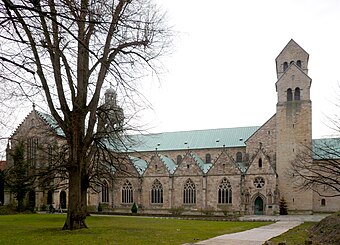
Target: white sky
[222,72]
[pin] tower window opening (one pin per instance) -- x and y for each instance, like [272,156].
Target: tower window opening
[289,94]
[323,202]
[179,159]
[260,163]
[298,63]
[285,66]
[291,62]
[297,94]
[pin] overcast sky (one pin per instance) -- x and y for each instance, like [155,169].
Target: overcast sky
[222,71]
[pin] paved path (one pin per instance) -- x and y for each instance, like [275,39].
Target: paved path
[258,236]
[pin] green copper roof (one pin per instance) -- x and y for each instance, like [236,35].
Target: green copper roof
[203,166]
[169,163]
[195,139]
[139,164]
[328,148]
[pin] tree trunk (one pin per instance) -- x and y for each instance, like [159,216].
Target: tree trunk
[76,213]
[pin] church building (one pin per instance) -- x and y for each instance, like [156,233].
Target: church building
[228,170]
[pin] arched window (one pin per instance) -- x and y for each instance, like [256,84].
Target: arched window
[207,158]
[260,163]
[105,192]
[239,157]
[189,193]
[157,192]
[179,159]
[127,193]
[297,94]
[298,63]
[225,192]
[323,202]
[291,62]
[289,94]
[285,66]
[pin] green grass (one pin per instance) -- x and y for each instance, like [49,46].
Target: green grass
[297,235]
[46,229]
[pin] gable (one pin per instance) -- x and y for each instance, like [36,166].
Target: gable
[261,164]
[189,166]
[225,165]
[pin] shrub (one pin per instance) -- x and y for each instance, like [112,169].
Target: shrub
[283,207]
[100,208]
[7,209]
[134,208]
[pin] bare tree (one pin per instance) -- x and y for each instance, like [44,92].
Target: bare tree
[318,168]
[64,52]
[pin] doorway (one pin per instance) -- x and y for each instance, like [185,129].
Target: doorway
[258,206]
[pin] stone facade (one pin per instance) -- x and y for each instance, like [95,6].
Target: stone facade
[247,174]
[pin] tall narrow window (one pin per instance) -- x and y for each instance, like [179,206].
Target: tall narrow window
[207,158]
[224,192]
[127,193]
[297,94]
[298,63]
[289,94]
[157,192]
[285,66]
[189,193]
[260,163]
[105,192]
[239,157]
[32,148]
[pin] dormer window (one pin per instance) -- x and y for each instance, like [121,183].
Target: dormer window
[208,158]
[289,94]
[239,157]
[179,159]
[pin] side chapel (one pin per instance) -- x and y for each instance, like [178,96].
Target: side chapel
[239,169]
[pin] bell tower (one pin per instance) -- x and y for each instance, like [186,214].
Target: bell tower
[293,121]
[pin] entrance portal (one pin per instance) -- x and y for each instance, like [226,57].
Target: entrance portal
[258,206]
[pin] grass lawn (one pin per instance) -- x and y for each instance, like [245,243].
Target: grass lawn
[46,229]
[297,235]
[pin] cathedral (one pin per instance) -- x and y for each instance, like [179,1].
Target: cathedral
[240,170]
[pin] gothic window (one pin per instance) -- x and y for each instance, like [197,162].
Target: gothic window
[127,193]
[179,159]
[32,148]
[259,182]
[224,192]
[239,157]
[298,63]
[260,163]
[207,158]
[105,192]
[291,62]
[289,94]
[323,202]
[285,66]
[157,192]
[297,94]
[189,193]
